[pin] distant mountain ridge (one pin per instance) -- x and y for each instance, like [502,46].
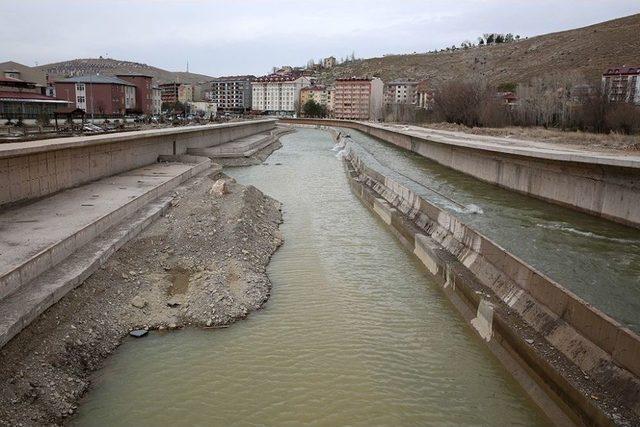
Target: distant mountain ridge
[588,51]
[109,66]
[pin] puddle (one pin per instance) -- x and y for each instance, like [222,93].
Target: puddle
[179,278]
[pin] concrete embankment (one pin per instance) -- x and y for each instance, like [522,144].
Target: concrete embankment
[66,205]
[602,184]
[202,264]
[576,362]
[38,168]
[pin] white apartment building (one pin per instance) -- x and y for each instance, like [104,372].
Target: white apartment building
[278,94]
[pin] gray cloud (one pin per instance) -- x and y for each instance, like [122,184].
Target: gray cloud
[225,36]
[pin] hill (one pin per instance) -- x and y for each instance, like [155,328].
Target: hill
[589,51]
[110,66]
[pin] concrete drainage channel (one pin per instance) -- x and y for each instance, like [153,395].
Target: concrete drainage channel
[578,364]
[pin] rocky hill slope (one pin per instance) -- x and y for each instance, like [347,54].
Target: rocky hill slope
[110,66]
[587,50]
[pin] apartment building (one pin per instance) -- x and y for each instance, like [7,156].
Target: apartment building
[278,94]
[622,84]
[401,91]
[143,96]
[232,94]
[358,98]
[100,95]
[319,94]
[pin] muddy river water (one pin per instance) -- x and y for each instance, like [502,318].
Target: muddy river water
[355,333]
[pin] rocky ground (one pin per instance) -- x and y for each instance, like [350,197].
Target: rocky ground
[201,265]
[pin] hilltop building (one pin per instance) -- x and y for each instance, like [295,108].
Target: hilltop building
[401,91]
[232,94]
[100,95]
[358,98]
[143,84]
[278,94]
[329,62]
[622,84]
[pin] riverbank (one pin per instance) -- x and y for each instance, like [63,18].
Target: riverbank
[599,141]
[201,265]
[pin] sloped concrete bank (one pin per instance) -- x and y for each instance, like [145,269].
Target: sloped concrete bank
[601,184]
[578,364]
[202,264]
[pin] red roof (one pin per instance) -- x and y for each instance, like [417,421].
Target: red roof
[622,70]
[28,96]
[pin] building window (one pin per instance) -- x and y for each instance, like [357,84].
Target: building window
[80,86]
[80,100]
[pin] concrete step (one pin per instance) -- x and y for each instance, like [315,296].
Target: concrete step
[243,147]
[32,298]
[20,308]
[38,236]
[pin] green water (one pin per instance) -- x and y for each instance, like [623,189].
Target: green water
[597,259]
[355,333]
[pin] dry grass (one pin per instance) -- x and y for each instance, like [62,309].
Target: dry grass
[612,141]
[587,51]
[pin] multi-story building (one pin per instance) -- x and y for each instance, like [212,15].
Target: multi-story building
[143,95]
[185,93]
[169,92]
[101,95]
[20,99]
[401,91]
[319,94]
[358,98]
[425,95]
[231,94]
[278,94]
[622,84]
[329,62]
[156,100]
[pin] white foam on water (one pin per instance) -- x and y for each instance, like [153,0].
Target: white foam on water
[567,229]
[474,209]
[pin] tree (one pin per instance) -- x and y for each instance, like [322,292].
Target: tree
[312,109]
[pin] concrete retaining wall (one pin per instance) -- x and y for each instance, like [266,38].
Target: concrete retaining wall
[603,185]
[35,169]
[557,337]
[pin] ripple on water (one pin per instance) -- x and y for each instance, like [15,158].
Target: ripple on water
[354,332]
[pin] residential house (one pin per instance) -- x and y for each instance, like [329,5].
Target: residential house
[143,93]
[401,91]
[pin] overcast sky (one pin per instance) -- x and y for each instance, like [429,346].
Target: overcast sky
[221,37]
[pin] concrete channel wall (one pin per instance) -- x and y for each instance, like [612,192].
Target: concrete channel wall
[30,170]
[570,350]
[603,185]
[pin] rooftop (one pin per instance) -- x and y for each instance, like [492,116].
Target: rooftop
[97,79]
[29,97]
[622,70]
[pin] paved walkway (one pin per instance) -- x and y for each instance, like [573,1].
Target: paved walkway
[38,235]
[518,146]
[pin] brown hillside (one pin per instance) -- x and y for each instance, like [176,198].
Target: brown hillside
[587,50]
[113,66]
